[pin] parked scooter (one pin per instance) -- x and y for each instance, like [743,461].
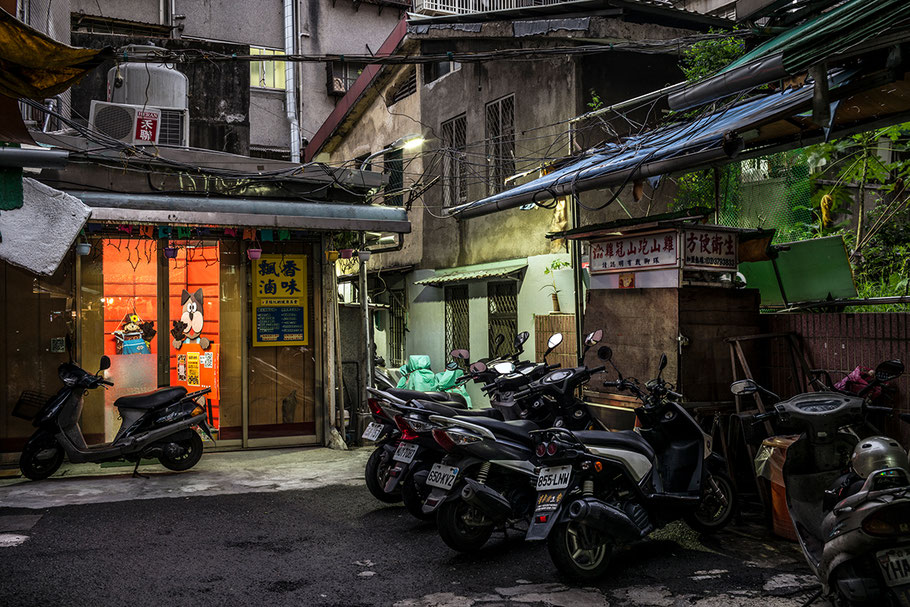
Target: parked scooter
[487,480]
[156,424]
[598,489]
[848,493]
[398,468]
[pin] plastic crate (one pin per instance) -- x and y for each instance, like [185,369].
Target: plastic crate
[30,404]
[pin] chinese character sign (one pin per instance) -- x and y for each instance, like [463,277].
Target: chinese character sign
[709,250]
[634,253]
[147,125]
[280,300]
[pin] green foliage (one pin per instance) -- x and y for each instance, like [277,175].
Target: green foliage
[596,102]
[556,264]
[707,57]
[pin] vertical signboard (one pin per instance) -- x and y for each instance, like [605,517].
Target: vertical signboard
[280,300]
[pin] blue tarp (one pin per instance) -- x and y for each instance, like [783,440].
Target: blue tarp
[697,137]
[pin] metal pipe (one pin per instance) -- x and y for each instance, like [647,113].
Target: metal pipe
[630,102]
[367,337]
[290,86]
[38,159]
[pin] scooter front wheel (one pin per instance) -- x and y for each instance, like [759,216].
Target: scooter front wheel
[41,457]
[462,527]
[376,474]
[717,506]
[579,551]
[192,453]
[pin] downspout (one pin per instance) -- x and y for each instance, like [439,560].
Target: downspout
[290,101]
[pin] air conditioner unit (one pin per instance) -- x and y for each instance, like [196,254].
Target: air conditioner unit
[137,125]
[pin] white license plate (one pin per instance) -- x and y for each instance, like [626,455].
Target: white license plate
[895,564]
[554,478]
[373,431]
[405,453]
[442,477]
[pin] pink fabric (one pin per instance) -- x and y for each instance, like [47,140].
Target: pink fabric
[857,380]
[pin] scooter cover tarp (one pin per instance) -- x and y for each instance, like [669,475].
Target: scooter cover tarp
[445,381]
[417,375]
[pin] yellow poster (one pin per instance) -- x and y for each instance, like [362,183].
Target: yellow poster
[192,369]
[280,300]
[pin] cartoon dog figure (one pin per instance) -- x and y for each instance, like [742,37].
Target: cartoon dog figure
[188,328]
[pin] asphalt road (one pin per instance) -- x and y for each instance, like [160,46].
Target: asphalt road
[336,545]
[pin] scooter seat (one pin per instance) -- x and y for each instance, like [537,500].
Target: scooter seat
[516,430]
[457,400]
[451,409]
[624,439]
[151,400]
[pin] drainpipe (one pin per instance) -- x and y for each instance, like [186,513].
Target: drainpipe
[290,101]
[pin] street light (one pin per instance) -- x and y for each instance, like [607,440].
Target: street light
[408,142]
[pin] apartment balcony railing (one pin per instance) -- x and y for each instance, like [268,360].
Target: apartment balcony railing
[462,7]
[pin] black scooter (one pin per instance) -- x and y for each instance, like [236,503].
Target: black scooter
[598,489]
[156,424]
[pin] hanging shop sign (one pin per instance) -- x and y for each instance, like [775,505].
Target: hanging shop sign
[692,249]
[280,300]
[639,252]
[711,250]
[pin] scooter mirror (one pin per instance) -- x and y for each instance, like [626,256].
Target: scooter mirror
[605,353]
[743,386]
[594,337]
[888,370]
[452,365]
[504,368]
[554,340]
[478,367]
[105,364]
[662,364]
[460,354]
[521,338]
[497,342]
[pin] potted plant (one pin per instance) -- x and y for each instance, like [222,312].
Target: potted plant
[550,270]
[345,242]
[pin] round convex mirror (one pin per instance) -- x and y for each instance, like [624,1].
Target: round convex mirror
[605,353]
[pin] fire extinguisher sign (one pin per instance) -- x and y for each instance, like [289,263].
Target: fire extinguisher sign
[147,126]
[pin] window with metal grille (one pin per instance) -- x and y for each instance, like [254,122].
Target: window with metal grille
[502,300]
[458,334]
[500,143]
[406,88]
[393,166]
[454,167]
[341,75]
[398,312]
[267,74]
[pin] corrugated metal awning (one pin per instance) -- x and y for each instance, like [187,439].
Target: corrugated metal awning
[244,212]
[481,271]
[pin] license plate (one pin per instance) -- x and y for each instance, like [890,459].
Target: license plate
[373,431]
[405,453]
[895,564]
[554,478]
[548,501]
[442,476]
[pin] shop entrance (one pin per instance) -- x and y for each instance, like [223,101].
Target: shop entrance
[188,313]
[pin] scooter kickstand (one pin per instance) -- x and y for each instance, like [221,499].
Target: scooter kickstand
[136,473]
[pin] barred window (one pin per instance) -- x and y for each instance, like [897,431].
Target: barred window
[457,329]
[454,167]
[500,143]
[393,166]
[502,300]
[398,311]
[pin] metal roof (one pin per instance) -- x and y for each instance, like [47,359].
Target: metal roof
[482,271]
[830,34]
[706,140]
[245,212]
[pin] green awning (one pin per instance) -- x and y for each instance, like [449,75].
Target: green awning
[481,271]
